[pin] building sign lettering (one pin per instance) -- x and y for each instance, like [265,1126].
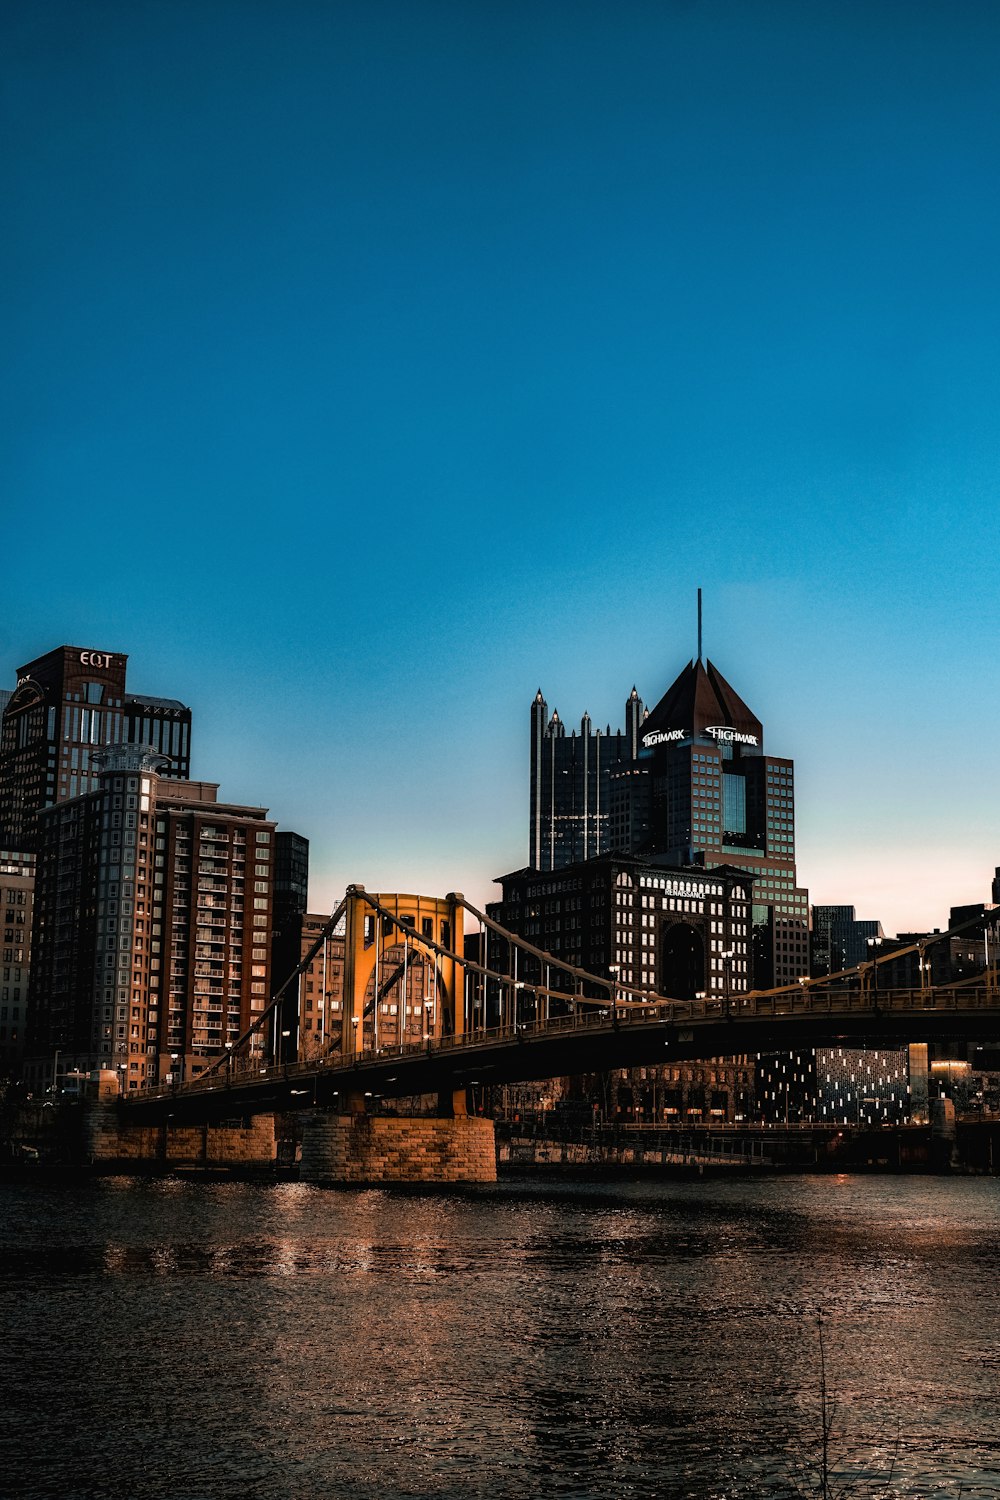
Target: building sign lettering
[727,736]
[663,737]
[96,658]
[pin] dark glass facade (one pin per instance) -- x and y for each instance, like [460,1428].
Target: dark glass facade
[571,778]
[839,940]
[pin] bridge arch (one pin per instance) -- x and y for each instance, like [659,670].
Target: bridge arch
[390,932]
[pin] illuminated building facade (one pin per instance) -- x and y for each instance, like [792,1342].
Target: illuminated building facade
[653,924]
[836,1086]
[152,924]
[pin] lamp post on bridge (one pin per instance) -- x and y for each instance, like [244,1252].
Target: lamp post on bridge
[727,957]
[924,967]
[874,944]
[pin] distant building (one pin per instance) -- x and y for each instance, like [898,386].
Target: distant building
[17,891]
[647,922]
[67,705]
[835,1085]
[152,924]
[839,940]
[312,1016]
[291,901]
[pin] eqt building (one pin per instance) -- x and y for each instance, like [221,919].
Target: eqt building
[687,783]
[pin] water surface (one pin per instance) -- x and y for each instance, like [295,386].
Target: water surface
[190,1341]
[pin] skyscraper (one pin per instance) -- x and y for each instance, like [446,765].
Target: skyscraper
[690,783]
[571,781]
[67,704]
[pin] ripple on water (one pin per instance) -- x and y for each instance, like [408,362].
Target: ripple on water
[175,1339]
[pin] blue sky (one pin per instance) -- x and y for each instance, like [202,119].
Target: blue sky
[369,365]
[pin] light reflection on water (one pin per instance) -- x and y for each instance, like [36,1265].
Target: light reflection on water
[179,1340]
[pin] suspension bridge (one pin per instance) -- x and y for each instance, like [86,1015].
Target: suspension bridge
[528,1014]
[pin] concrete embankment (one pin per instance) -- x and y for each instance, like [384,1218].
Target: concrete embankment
[943,1146]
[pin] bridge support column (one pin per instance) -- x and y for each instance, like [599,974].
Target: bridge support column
[112,1142]
[357,1149]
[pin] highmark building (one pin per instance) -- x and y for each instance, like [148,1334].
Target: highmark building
[686,783]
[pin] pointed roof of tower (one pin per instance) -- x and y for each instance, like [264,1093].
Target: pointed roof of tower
[698,699]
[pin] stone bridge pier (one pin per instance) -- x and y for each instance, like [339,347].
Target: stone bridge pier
[115,1143]
[356,1147]
[352,1147]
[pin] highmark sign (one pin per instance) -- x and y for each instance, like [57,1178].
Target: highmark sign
[663,737]
[727,736]
[721,733]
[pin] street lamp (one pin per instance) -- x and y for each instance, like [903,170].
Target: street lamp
[174,1074]
[874,944]
[727,956]
[924,965]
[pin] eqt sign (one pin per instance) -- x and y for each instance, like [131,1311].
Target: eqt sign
[96,659]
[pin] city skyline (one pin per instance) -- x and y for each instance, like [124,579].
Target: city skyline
[370,369]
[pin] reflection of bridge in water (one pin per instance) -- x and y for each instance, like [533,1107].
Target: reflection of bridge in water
[538,1018]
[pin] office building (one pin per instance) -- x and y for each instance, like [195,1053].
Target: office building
[570,783]
[152,924]
[17,891]
[839,940]
[651,925]
[67,705]
[689,783]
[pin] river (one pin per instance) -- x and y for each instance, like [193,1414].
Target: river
[196,1341]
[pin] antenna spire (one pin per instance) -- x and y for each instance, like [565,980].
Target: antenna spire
[699,627]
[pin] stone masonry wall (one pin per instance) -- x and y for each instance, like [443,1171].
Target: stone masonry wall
[110,1139]
[378,1148]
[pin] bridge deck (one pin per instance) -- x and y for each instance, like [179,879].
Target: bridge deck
[589,1041]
